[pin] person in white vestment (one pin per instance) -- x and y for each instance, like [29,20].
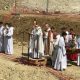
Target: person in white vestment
[55,47]
[78,45]
[36,47]
[46,38]
[1,37]
[8,38]
[61,59]
[78,41]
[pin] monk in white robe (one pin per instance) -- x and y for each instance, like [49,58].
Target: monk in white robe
[55,48]
[61,59]
[8,40]
[1,36]
[36,47]
[78,41]
[78,45]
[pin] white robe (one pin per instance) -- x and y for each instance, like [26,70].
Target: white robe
[55,47]
[61,59]
[67,37]
[33,43]
[78,42]
[78,46]
[9,41]
[1,38]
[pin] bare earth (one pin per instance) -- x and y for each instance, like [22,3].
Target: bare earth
[10,70]
[72,70]
[14,71]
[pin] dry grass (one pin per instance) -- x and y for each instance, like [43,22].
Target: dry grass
[72,70]
[15,71]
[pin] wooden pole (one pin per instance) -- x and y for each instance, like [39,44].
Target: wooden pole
[22,41]
[47,5]
[37,46]
[15,6]
[33,46]
[28,46]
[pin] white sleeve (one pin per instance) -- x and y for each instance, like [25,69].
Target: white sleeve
[1,31]
[39,32]
[10,33]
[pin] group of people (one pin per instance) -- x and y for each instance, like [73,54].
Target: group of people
[47,41]
[43,41]
[6,38]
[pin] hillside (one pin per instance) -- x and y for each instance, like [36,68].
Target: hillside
[64,6]
[53,5]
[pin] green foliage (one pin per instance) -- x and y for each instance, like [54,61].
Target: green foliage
[72,44]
